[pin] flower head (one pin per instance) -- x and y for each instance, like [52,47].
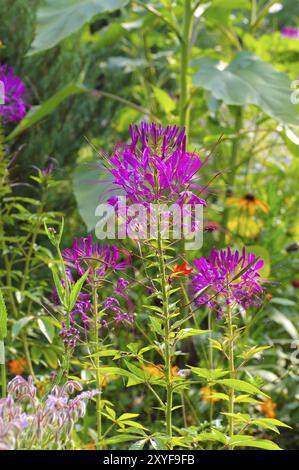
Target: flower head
[227,277]
[268,408]
[179,270]
[17,366]
[208,394]
[291,32]
[249,203]
[14,107]
[155,165]
[85,254]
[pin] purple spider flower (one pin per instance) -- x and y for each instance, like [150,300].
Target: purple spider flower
[155,166]
[14,107]
[85,254]
[217,282]
[290,32]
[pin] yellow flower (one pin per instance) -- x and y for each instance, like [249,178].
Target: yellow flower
[207,394]
[248,203]
[245,226]
[268,408]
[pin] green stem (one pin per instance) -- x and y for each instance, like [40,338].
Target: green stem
[211,362]
[3,369]
[231,368]
[97,366]
[184,105]
[167,346]
[232,167]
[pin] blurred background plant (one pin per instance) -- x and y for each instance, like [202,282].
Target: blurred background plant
[220,69]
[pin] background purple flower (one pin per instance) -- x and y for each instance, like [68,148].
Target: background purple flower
[14,107]
[218,274]
[290,32]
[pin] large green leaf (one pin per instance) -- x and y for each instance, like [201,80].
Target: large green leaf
[249,80]
[36,113]
[91,183]
[57,19]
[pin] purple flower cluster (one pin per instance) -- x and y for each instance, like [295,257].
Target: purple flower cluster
[113,304]
[155,166]
[45,424]
[14,107]
[70,336]
[99,259]
[227,277]
[291,32]
[85,254]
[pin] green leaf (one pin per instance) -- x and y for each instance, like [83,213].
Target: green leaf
[285,322]
[241,385]
[19,325]
[133,424]
[127,416]
[249,80]
[3,318]
[208,374]
[57,19]
[249,441]
[185,333]
[164,100]
[138,445]
[51,358]
[47,328]
[215,435]
[76,289]
[246,399]
[90,182]
[36,113]
[58,285]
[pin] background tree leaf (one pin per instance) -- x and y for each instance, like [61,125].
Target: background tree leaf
[57,19]
[249,80]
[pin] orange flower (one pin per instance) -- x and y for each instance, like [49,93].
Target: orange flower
[268,408]
[17,366]
[157,371]
[207,394]
[90,446]
[181,270]
[248,203]
[154,371]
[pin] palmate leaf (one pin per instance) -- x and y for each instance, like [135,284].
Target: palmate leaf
[58,19]
[249,80]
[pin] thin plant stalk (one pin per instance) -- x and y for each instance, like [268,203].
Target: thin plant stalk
[167,346]
[97,365]
[230,334]
[232,167]
[184,105]
[3,369]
